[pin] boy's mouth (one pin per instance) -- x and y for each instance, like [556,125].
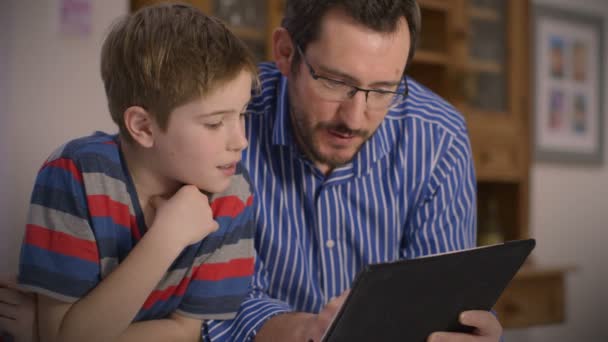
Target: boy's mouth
[228,169]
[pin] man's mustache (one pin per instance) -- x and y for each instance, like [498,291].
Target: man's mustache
[343,129]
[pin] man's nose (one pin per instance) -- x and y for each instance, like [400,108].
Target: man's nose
[352,110]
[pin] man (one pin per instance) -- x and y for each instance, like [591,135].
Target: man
[352,165]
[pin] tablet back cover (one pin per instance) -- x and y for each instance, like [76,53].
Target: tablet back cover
[407,300]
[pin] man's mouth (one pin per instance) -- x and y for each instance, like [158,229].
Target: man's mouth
[342,134]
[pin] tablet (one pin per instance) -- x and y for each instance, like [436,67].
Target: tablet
[407,300]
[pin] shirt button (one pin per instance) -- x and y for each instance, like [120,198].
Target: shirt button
[330,243]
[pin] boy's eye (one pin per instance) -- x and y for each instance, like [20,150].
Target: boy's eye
[214,125]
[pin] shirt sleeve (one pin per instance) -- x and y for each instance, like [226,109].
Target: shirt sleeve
[445,217]
[224,264]
[221,280]
[257,308]
[59,255]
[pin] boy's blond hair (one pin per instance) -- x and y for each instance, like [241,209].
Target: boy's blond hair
[166,55]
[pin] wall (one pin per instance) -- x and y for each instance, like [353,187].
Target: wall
[569,218]
[56,94]
[5,26]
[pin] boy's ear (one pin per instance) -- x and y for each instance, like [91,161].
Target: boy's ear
[283,50]
[139,123]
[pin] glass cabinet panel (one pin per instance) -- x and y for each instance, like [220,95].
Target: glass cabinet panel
[244,13]
[248,19]
[487,85]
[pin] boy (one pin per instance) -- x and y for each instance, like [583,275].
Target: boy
[142,235]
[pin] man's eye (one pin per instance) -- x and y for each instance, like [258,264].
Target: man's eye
[334,84]
[380,93]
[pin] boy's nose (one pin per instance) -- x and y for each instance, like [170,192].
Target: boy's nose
[238,140]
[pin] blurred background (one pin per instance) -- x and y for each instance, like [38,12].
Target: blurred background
[475,53]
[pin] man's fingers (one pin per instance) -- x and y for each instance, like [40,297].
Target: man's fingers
[451,337]
[8,311]
[7,325]
[337,302]
[486,323]
[10,296]
[8,282]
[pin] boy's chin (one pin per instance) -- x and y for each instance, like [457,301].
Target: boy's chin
[218,187]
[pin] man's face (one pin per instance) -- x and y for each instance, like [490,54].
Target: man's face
[331,132]
[205,137]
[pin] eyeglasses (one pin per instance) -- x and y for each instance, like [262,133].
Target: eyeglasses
[335,90]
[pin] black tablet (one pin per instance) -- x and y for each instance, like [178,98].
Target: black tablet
[407,300]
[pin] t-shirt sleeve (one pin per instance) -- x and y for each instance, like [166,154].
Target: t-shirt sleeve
[222,279]
[59,255]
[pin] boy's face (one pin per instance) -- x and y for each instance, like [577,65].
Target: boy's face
[204,138]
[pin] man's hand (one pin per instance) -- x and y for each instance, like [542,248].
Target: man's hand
[487,329]
[300,326]
[320,322]
[17,312]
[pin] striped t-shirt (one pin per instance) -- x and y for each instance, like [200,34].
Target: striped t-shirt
[410,191]
[85,218]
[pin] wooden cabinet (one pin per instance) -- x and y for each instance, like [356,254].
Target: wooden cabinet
[251,20]
[474,53]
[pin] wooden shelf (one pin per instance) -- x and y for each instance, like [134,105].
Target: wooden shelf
[534,297]
[430,57]
[476,65]
[484,14]
[248,33]
[440,5]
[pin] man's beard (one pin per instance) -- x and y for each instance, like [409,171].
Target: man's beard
[304,134]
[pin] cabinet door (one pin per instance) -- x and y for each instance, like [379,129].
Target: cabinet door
[495,85]
[248,19]
[441,53]
[497,65]
[203,5]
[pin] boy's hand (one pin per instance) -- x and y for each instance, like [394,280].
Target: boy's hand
[487,328]
[17,312]
[186,217]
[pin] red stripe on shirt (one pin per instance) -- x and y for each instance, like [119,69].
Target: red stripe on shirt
[105,206]
[66,164]
[234,268]
[61,243]
[134,230]
[176,290]
[230,206]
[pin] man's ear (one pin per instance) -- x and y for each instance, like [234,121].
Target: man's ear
[283,50]
[139,123]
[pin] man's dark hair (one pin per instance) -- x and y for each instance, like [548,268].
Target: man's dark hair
[302,18]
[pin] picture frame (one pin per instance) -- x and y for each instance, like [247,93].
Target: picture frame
[568,84]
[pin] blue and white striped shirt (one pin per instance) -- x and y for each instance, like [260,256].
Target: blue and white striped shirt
[410,191]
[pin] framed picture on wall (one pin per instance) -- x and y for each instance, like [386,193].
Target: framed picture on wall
[568,84]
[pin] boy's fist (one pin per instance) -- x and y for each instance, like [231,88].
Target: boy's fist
[186,217]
